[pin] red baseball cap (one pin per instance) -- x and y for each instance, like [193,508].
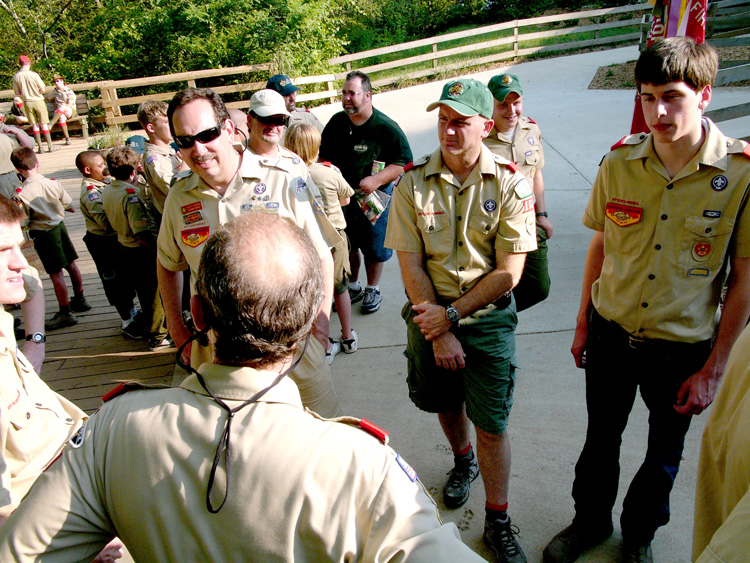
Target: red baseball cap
[24,60]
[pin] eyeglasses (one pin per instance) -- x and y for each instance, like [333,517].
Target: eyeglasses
[187,141]
[271,119]
[349,93]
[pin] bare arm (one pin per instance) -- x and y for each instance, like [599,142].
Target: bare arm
[170,288]
[371,183]
[591,273]
[699,390]
[24,139]
[539,204]
[321,328]
[33,320]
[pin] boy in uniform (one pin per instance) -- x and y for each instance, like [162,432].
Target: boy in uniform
[29,86]
[101,241]
[46,202]
[136,232]
[65,105]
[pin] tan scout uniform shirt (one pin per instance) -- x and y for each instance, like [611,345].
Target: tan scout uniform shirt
[525,149]
[722,500]
[126,212]
[301,489]
[92,208]
[6,147]
[35,421]
[29,85]
[45,201]
[332,186]
[65,98]
[666,240]
[302,116]
[159,165]
[456,227]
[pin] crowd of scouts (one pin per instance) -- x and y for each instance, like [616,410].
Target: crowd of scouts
[238,232]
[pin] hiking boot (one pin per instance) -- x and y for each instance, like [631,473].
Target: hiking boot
[371,301]
[349,346]
[501,537]
[356,295]
[636,553]
[60,320]
[79,304]
[156,344]
[457,488]
[134,330]
[569,544]
[333,350]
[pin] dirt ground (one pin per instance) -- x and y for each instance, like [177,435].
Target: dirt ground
[620,76]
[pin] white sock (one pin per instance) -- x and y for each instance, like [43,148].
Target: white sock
[373,287]
[355,286]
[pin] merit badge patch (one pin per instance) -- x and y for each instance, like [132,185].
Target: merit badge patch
[195,237]
[623,215]
[719,182]
[410,473]
[698,272]
[76,440]
[711,214]
[490,205]
[185,209]
[702,250]
[455,89]
[94,196]
[260,188]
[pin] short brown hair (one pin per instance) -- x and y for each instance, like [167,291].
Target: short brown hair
[303,139]
[150,110]
[10,212]
[24,158]
[188,95]
[122,161]
[677,59]
[261,284]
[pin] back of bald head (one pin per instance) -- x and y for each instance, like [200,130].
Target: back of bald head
[260,284]
[239,118]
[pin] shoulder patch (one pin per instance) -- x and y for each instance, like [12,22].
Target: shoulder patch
[331,165]
[94,196]
[126,386]
[629,140]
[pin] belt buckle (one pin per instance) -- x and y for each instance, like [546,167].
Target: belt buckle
[635,342]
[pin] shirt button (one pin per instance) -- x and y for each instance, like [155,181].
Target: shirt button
[28,415]
[487,227]
[641,330]
[669,186]
[658,247]
[458,218]
[431,228]
[223,200]
[651,276]
[644,305]
[461,269]
[708,230]
[463,290]
[664,217]
[460,243]
[461,192]
[68,419]
[39,405]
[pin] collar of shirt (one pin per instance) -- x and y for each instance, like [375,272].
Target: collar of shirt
[485,166]
[156,149]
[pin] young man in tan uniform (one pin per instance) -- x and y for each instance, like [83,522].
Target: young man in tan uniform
[225,184]
[669,210]
[517,138]
[292,486]
[461,223]
[29,86]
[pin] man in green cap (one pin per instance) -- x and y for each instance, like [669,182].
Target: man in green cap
[518,138]
[462,222]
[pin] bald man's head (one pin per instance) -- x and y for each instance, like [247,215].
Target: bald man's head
[239,118]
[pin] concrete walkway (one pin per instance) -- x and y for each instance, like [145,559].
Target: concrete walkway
[548,421]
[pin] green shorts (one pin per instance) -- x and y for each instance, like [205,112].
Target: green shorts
[54,248]
[485,384]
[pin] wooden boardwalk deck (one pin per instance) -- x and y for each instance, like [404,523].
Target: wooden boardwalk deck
[85,361]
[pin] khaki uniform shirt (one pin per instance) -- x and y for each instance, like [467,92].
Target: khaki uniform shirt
[92,208]
[459,228]
[666,241]
[65,97]
[159,165]
[722,499]
[301,489]
[29,85]
[35,422]
[45,201]
[302,115]
[126,212]
[6,147]
[332,186]
[525,148]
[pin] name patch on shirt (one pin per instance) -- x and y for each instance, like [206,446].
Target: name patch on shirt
[271,207]
[195,237]
[185,209]
[623,215]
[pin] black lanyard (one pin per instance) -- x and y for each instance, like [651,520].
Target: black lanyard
[223,449]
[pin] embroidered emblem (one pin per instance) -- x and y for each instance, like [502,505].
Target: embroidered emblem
[528,204]
[623,215]
[531,140]
[296,160]
[195,237]
[523,189]
[506,80]
[317,208]
[185,209]
[151,159]
[698,272]
[94,196]
[455,89]
[528,153]
[406,467]
[260,188]
[300,187]
[702,250]
[490,205]
[711,214]
[360,148]
[192,218]
[132,199]
[719,182]
[76,440]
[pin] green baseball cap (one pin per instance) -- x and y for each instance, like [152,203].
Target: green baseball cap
[466,96]
[503,84]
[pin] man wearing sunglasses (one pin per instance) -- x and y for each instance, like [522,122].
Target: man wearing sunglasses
[224,184]
[282,84]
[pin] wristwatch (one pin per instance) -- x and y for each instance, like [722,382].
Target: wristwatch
[542,214]
[37,337]
[452,314]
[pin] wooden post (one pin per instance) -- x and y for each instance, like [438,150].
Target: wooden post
[434,52]
[515,42]
[330,85]
[191,83]
[106,90]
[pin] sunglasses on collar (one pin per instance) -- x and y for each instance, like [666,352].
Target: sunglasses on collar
[206,136]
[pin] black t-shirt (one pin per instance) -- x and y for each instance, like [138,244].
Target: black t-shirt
[354,148]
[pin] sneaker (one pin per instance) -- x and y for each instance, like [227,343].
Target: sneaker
[636,553]
[371,302]
[333,350]
[60,320]
[79,304]
[457,488]
[134,330]
[154,344]
[568,545]
[356,295]
[501,537]
[350,346]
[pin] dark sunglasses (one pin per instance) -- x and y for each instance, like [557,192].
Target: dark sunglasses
[187,141]
[272,119]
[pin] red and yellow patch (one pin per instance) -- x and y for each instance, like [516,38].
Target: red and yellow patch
[195,237]
[624,215]
[701,250]
[197,206]
[528,204]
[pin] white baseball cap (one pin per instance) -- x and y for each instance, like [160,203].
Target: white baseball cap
[268,102]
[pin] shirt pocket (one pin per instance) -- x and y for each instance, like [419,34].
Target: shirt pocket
[484,225]
[704,241]
[531,157]
[432,222]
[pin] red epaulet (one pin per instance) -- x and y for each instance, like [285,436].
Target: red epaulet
[307,110]
[409,166]
[327,163]
[121,389]
[619,143]
[90,187]
[130,190]
[746,152]
[531,120]
[52,179]
[513,166]
[376,431]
